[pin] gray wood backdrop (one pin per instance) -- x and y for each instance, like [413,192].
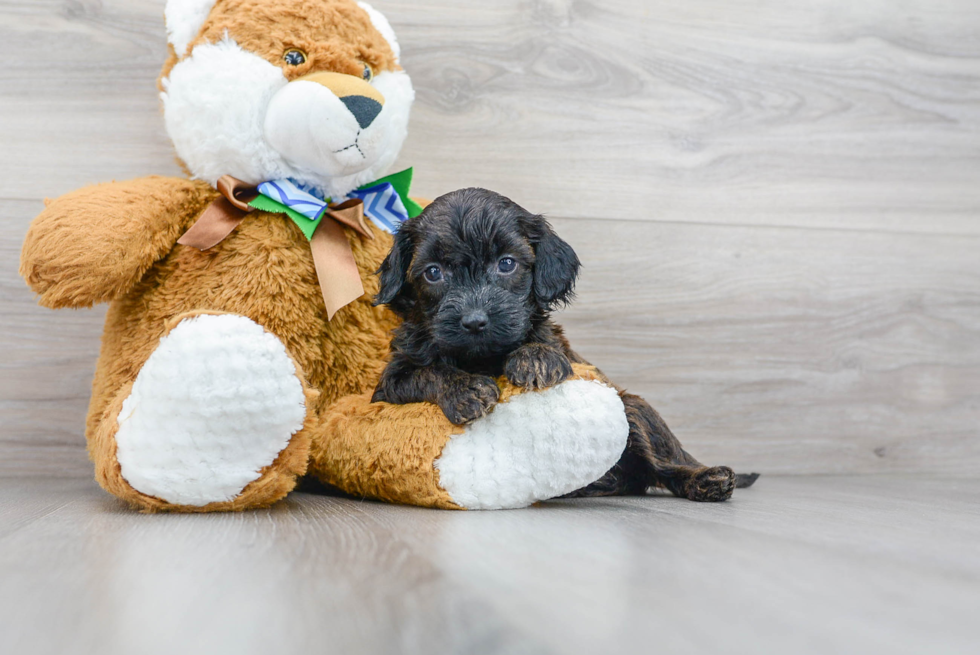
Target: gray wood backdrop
[776,202]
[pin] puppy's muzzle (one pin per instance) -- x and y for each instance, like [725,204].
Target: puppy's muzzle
[362,100]
[475,321]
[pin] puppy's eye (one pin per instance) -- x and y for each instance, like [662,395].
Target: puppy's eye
[294,57]
[433,274]
[507,265]
[367,74]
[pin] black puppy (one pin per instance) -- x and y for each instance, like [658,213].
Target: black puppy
[475,278]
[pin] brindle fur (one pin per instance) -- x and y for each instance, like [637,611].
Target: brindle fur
[435,359]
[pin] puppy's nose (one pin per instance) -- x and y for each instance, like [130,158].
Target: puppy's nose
[475,322]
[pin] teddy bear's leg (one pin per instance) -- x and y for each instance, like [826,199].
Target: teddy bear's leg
[533,446]
[214,420]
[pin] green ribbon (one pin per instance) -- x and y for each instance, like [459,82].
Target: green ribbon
[401,182]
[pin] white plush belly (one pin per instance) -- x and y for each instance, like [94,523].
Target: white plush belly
[216,402]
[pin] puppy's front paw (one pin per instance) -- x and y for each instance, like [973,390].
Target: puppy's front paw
[468,398]
[537,366]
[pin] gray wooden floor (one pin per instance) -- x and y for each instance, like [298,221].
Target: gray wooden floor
[830,565]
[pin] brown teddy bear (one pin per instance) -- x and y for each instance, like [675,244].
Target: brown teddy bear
[241,344]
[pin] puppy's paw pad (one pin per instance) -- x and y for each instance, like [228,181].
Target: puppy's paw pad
[470,399]
[712,484]
[537,367]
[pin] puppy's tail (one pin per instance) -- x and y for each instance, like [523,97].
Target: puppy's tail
[745,480]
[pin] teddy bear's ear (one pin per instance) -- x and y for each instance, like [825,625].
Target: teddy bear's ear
[185,18]
[382,25]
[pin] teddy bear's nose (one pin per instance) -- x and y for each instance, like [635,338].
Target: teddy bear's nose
[365,110]
[362,100]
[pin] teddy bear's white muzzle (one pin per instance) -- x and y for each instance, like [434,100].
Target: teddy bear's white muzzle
[315,130]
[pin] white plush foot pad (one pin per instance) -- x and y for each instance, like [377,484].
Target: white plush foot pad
[536,446]
[216,402]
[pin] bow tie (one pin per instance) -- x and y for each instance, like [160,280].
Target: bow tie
[384,202]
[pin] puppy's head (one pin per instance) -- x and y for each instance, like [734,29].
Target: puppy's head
[475,269]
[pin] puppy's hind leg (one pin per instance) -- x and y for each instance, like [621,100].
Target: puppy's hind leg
[654,458]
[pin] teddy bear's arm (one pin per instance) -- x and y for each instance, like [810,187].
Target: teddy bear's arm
[96,243]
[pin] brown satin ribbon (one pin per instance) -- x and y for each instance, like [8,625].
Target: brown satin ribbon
[336,269]
[222,216]
[351,214]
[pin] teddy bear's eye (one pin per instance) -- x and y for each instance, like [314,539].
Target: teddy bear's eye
[433,273]
[295,57]
[367,74]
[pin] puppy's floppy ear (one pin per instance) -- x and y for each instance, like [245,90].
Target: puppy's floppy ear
[555,264]
[394,270]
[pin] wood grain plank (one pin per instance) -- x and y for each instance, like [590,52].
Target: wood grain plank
[757,112]
[834,114]
[23,502]
[873,516]
[783,567]
[855,352]
[46,367]
[639,578]
[304,577]
[79,102]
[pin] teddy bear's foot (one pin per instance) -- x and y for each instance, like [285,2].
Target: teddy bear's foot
[208,415]
[536,446]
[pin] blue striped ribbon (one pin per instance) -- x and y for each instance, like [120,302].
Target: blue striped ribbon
[382,204]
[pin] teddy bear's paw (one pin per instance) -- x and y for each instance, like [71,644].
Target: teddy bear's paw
[215,404]
[536,446]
